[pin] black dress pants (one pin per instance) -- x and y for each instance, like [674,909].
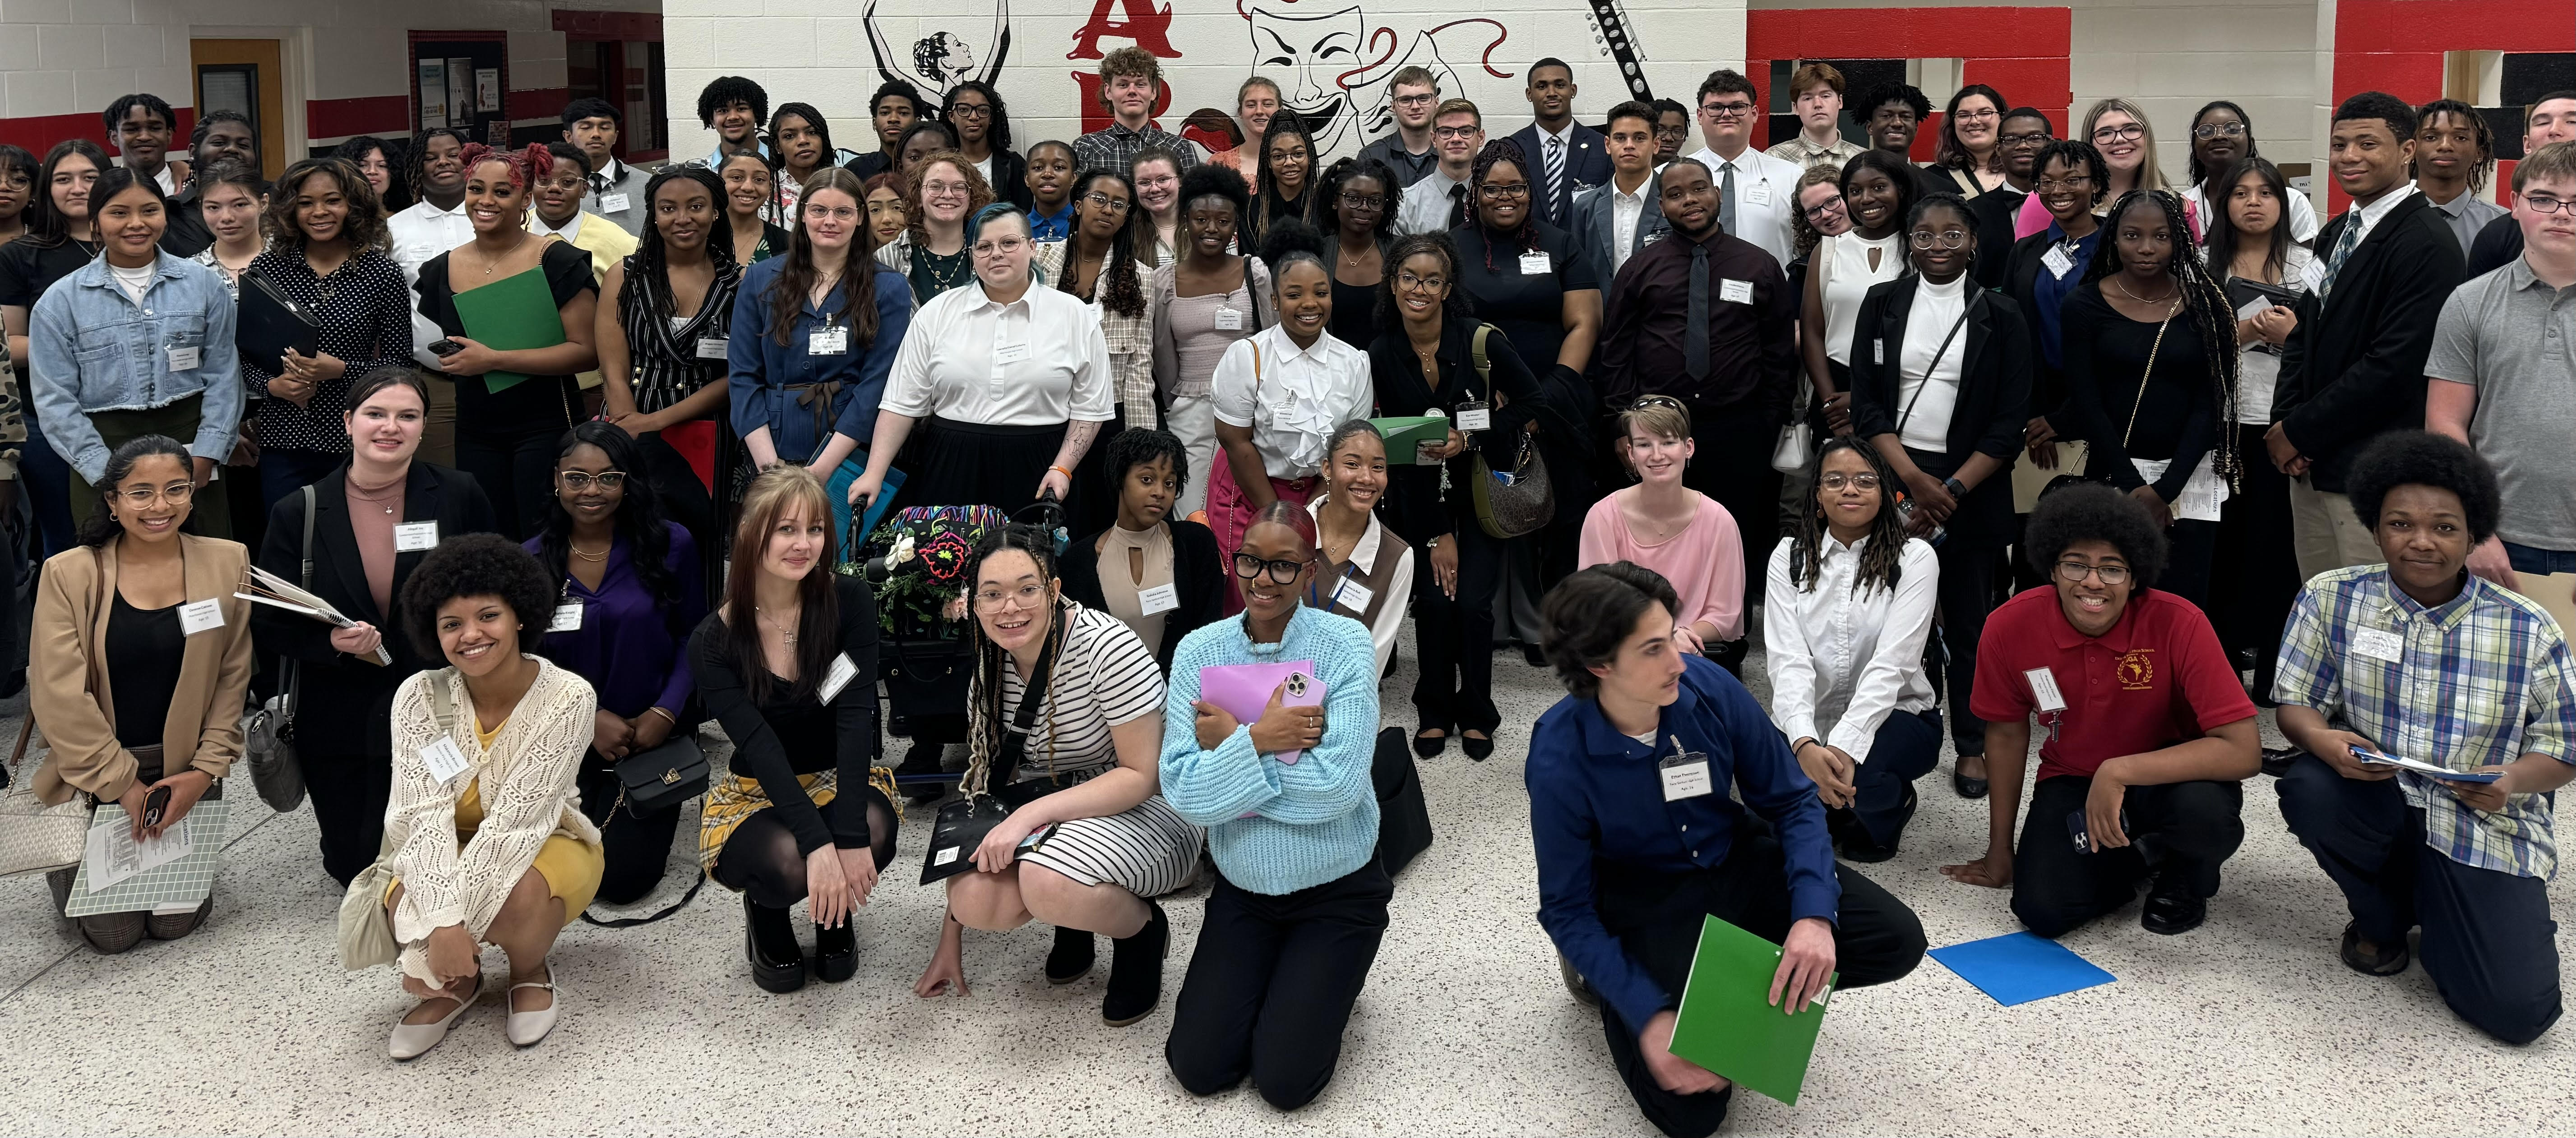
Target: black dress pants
[1656,918]
[637,850]
[349,792]
[1967,594]
[1907,747]
[2190,827]
[1455,637]
[516,468]
[1271,984]
[1732,463]
[2489,941]
[2257,575]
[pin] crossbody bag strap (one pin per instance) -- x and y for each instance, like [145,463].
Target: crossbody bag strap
[1015,737]
[2145,376]
[294,669]
[1929,368]
[1251,295]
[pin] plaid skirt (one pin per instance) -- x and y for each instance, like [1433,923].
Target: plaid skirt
[733,798]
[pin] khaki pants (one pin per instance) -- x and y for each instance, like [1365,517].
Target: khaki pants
[211,508]
[2328,535]
[438,427]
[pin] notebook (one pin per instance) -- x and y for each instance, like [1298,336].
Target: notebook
[1243,690]
[515,313]
[269,324]
[1405,433]
[1727,1023]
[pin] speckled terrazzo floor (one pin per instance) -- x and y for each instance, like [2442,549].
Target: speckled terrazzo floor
[2248,1025]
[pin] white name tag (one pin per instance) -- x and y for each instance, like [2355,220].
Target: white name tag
[198,616]
[567,617]
[1159,599]
[1475,417]
[843,671]
[831,341]
[947,855]
[1229,320]
[1685,776]
[444,760]
[714,347]
[185,359]
[1759,193]
[1010,353]
[1878,352]
[412,537]
[1354,595]
[612,203]
[1536,265]
[1735,292]
[2059,261]
[2043,687]
[2380,644]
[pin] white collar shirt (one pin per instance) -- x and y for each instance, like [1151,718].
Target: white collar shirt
[1296,399]
[1035,362]
[1840,662]
[1389,626]
[2368,216]
[424,231]
[1625,211]
[1766,189]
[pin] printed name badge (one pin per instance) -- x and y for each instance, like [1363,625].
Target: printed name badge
[567,617]
[2043,687]
[827,341]
[1878,352]
[1159,599]
[714,347]
[843,671]
[947,855]
[1475,415]
[1010,353]
[185,359]
[1229,320]
[198,616]
[1759,193]
[1536,264]
[1685,775]
[1353,595]
[413,537]
[2380,644]
[612,203]
[1735,292]
[444,760]
[2059,261]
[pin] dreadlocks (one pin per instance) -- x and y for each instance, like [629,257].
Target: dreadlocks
[417,157]
[1267,204]
[1880,559]
[2478,129]
[650,284]
[1116,286]
[988,720]
[1499,151]
[2210,313]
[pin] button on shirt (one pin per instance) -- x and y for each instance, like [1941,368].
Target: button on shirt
[1295,401]
[1597,794]
[1842,660]
[1752,345]
[1766,191]
[2479,681]
[2507,334]
[1036,362]
[1427,205]
[1625,210]
[2157,678]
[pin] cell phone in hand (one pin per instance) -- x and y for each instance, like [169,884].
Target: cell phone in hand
[154,805]
[2076,829]
[445,347]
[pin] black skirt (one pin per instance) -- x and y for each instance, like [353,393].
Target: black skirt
[949,463]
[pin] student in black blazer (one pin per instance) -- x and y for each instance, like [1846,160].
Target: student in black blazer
[1149,467]
[1632,160]
[1940,385]
[1586,153]
[2071,183]
[2354,367]
[365,545]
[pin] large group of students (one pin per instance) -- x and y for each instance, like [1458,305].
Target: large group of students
[1869,407]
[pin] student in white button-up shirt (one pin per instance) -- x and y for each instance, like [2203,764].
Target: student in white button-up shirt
[1843,637]
[1009,382]
[423,230]
[1765,188]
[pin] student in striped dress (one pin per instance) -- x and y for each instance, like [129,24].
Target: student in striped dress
[1084,775]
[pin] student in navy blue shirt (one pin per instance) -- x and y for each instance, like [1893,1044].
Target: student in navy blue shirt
[1633,853]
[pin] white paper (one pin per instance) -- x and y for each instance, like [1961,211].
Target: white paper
[843,671]
[444,759]
[2059,261]
[114,854]
[2043,687]
[2202,494]
[1536,264]
[413,537]
[714,347]
[612,203]
[1685,780]
[1354,595]
[1229,320]
[185,359]
[2255,307]
[567,617]
[198,616]
[2379,644]
[1159,599]
[1735,292]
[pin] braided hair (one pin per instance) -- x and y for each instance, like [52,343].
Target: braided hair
[2202,296]
[1116,287]
[1328,196]
[987,722]
[1881,559]
[1495,153]
[648,274]
[417,156]
[2478,129]
[1267,204]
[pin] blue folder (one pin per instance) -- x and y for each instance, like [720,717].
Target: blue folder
[2021,967]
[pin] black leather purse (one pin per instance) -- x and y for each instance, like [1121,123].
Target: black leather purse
[662,778]
[962,824]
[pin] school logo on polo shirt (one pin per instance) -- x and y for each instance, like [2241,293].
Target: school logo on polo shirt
[2137,669]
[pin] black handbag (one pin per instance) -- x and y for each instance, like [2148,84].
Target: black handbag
[1403,819]
[662,778]
[962,824]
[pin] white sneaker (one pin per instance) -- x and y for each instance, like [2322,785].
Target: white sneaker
[526,1029]
[411,1040]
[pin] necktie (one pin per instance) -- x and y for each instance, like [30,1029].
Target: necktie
[1695,337]
[1555,180]
[2342,249]
[599,183]
[1726,198]
[1457,205]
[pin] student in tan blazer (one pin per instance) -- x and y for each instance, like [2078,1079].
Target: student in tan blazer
[131,601]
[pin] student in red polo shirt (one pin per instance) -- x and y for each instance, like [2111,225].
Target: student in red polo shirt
[2146,733]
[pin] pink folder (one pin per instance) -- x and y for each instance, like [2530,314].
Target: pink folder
[1243,690]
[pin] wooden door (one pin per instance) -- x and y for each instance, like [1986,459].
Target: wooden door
[246,76]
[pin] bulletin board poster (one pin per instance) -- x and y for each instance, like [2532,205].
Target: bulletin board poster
[487,89]
[433,93]
[460,89]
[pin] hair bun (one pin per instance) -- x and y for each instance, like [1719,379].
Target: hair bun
[1288,236]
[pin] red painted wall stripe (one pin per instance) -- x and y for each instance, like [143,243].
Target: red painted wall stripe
[2452,25]
[544,103]
[39,133]
[609,25]
[386,115]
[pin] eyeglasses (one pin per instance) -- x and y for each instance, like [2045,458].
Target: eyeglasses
[2074,572]
[1946,239]
[1836,480]
[2023,138]
[1364,201]
[943,189]
[1001,246]
[1406,280]
[1727,110]
[2219,130]
[1824,209]
[816,211]
[176,493]
[970,111]
[1300,154]
[1456,131]
[2065,185]
[1974,116]
[1249,567]
[1413,100]
[1104,201]
[2545,205]
[1491,192]
[1672,132]
[2130,133]
[1024,597]
[579,480]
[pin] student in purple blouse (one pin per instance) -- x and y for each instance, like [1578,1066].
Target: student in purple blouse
[635,577]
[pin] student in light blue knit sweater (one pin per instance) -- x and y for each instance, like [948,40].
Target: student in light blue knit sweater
[1300,899]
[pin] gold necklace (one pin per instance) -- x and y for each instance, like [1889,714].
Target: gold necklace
[2124,291]
[491,263]
[594,558]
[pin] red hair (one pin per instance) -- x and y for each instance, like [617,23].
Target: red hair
[527,167]
[1291,515]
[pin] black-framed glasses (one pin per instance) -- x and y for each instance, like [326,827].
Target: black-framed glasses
[970,111]
[2074,572]
[2545,205]
[2023,138]
[1824,209]
[1728,110]
[1492,192]
[1363,201]
[1104,201]
[1413,100]
[580,480]
[1455,131]
[1672,132]
[1407,280]
[1946,239]
[2128,133]
[2219,130]
[1249,567]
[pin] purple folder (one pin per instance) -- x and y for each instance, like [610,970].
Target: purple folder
[1243,690]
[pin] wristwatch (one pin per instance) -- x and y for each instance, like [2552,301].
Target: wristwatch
[1956,488]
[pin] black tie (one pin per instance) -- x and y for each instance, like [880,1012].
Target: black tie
[1695,338]
[1457,205]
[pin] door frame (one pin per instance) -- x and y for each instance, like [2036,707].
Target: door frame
[292,137]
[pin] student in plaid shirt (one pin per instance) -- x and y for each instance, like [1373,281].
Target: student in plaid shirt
[2418,659]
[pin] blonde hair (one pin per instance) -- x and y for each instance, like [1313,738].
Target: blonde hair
[1663,418]
[2150,175]
[778,490]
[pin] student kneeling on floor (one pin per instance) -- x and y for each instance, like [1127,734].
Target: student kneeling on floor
[2418,659]
[2146,733]
[1635,848]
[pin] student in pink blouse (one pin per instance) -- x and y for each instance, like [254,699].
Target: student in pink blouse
[1674,530]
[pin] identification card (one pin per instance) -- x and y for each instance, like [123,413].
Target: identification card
[413,537]
[198,616]
[444,760]
[1475,415]
[1229,320]
[947,855]
[1685,775]
[831,340]
[714,347]
[1759,193]
[613,203]
[843,671]
[1353,595]
[1159,599]
[1735,292]
[567,617]
[1010,353]
[1536,264]
[185,359]
[1878,352]
[2059,261]
[2380,644]
[2043,687]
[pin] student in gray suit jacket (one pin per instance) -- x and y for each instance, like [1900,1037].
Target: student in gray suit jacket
[1615,219]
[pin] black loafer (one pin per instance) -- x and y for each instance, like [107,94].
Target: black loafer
[2277,760]
[1430,746]
[778,966]
[921,759]
[1477,749]
[2170,910]
[1072,956]
[1967,787]
[1537,657]
[1136,971]
[836,952]
[2385,962]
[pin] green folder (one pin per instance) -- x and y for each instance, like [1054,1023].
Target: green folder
[515,313]
[1727,1024]
[1405,432]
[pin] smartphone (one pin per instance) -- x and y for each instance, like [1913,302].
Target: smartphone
[2076,829]
[1301,690]
[445,347]
[154,805]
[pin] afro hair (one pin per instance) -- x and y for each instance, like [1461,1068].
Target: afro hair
[2094,511]
[476,565]
[2421,458]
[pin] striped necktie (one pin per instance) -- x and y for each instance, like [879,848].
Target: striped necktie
[2343,247]
[1555,180]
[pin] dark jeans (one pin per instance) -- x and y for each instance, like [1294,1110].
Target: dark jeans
[283,472]
[1967,594]
[2489,942]
[516,467]
[1657,917]
[637,849]
[2191,827]
[2531,559]
[1456,637]
[2251,594]
[1907,747]
[1271,984]
[209,514]
[349,793]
